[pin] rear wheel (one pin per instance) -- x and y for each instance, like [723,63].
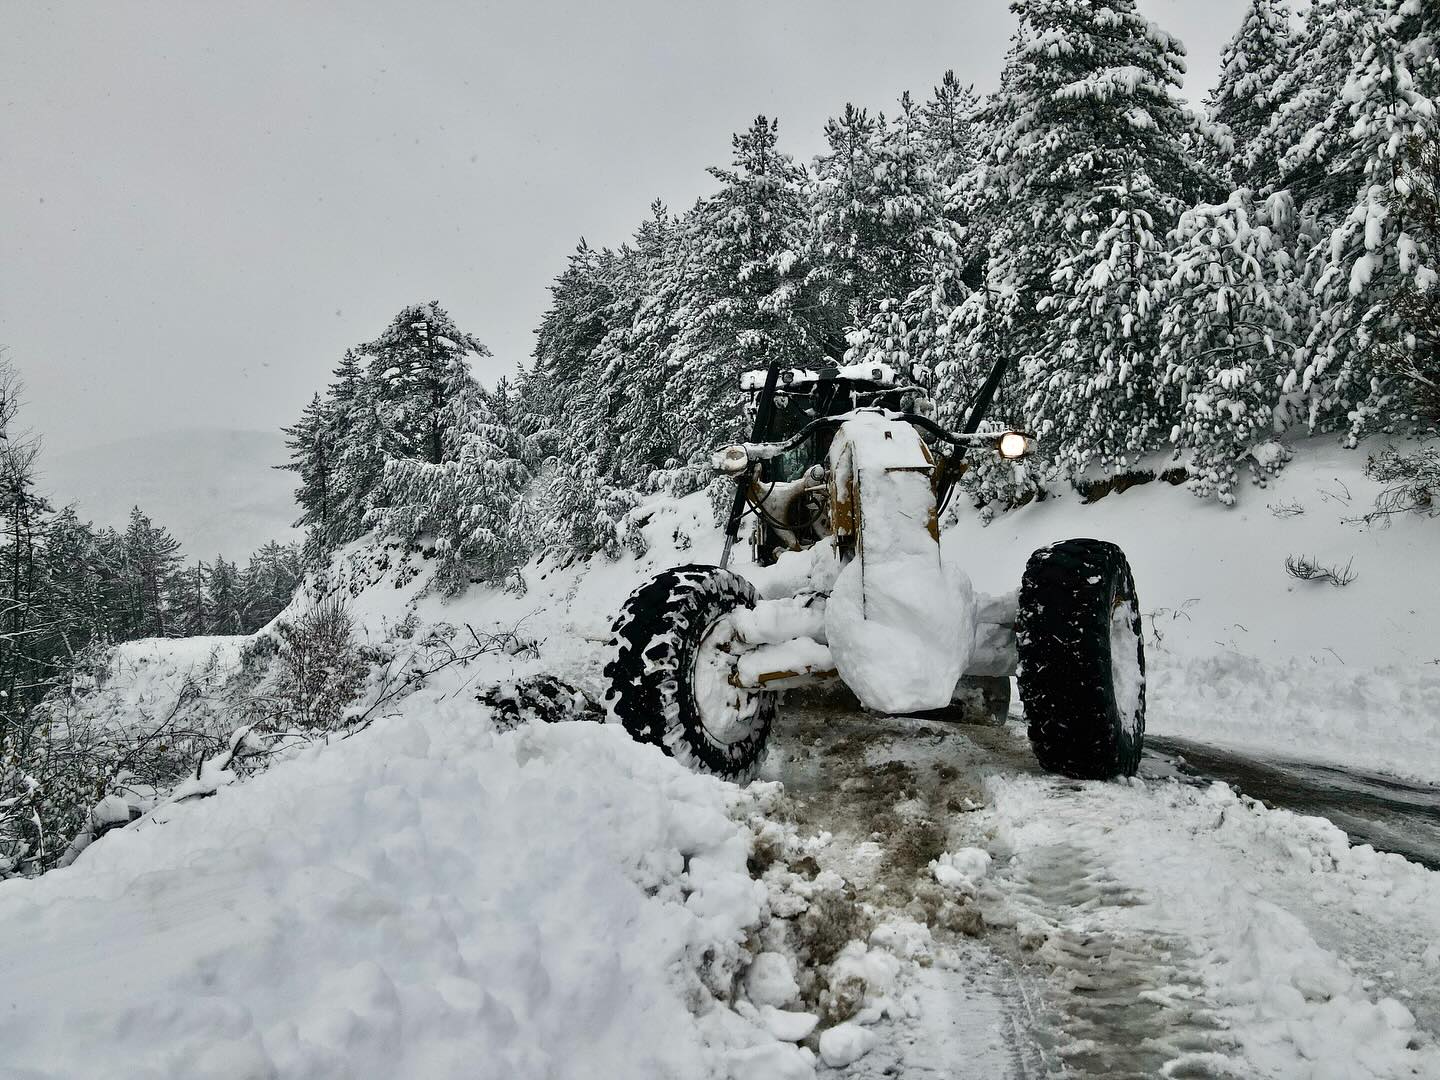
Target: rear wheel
[670,676]
[1082,660]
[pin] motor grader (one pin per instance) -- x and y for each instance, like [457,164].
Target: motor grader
[845,477]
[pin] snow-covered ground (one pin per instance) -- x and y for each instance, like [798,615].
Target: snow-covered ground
[1160,927]
[428,899]
[1238,652]
[434,897]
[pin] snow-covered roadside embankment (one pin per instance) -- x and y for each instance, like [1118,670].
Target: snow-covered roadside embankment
[425,899]
[1238,652]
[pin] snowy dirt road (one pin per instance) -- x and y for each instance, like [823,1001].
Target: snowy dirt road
[1165,927]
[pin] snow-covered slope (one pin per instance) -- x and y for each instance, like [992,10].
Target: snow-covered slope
[429,897]
[434,897]
[1239,652]
[215,490]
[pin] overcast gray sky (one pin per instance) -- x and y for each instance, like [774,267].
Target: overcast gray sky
[202,204]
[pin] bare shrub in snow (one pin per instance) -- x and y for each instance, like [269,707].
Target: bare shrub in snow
[1307,569]
[1412,482]
[82,770]
[320,666]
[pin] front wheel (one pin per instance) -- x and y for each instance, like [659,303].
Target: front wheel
[1082,660]
[670,676]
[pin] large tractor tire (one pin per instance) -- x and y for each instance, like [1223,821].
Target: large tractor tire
[669,679]
[1082,660]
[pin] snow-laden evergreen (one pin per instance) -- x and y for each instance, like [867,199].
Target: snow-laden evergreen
[407,444]
[1370,256]
[1308,126]
[1090,140]
[949,117]
[1235,315]
[1252,64]
[742,298]
[468,506]
[1096,383]
[878,206]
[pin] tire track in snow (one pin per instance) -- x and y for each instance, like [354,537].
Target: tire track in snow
[1123,1003]
[1302,955]
[1152,928]
[890,791]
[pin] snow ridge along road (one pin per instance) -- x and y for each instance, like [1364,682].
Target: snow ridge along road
[1382,811]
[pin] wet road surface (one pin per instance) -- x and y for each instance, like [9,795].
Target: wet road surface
[1382,811]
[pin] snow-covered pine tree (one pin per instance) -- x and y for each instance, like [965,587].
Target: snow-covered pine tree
[468,507]
[1421,32]
[1096,384]
[636,429]
[1414,356]
[1234,316]
[741,298]
[152,556]
[949,126]
[1309,125]
[192,614]
[418,365]
[314,445]
[1251,65]
[75,598]
[23,516]
[112,581]
[224,599]
[581,312]
[906,247]
[268,582]
[337,449]
[580,391]
[835,195]
[877,206]
[1088,93]
[1090,142]
[360,442]
[1372,257]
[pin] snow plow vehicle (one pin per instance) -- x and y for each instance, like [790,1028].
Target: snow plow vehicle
[846,479]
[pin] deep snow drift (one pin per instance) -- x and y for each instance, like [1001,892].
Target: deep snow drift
[427,899]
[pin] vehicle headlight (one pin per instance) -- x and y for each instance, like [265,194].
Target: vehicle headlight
[1013,445]
[732,461]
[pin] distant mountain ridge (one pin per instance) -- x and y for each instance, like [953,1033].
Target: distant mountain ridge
[216,490]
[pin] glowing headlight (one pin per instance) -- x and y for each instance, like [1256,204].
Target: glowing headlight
[1013,445]
[732,461]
